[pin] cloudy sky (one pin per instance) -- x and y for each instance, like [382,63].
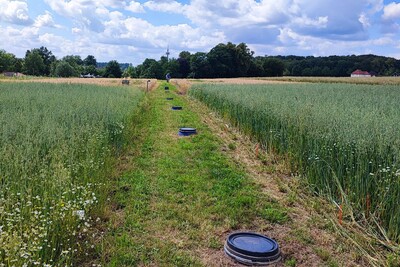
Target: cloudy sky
[130,31]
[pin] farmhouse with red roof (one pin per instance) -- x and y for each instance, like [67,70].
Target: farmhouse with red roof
[360,73]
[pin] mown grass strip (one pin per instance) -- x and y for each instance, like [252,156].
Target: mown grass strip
[182,195]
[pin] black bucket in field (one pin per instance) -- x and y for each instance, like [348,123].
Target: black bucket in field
[187,131]
[166,88]
[176,108]
[170,98]
[252,249]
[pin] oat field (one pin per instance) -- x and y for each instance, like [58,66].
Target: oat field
[56,146]
[344,138]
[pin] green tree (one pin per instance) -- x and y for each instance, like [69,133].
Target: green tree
[91,69]
[172,67]
[184,64]
[18,65]
[256,69]
[163,61]
[243,59]
[7,61]
[47,58]
[150,68]
[113,70]
[75,62]
[64,69]
[200,66]
[222,60]
[230,60]
[273,67]
[34,64]
[90,61]
[130,72]
[101,72]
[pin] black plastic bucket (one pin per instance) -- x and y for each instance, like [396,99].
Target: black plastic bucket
[252,249]
[176,108]
[187,131]
[166,88]
[170,98]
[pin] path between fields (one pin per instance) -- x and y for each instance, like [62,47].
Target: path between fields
[173,205]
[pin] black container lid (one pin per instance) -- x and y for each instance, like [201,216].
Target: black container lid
[187,130]
[176,108]
[252,249]
[170,98]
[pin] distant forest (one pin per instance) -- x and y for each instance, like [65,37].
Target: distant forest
[222,61]
[230,60]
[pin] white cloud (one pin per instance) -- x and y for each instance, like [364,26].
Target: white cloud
[113,3]
[49,39]
[140,33]
[236,13]
[385,40]
[17,41]
[165,6]
[391,11]
[15,12]
[75,30]
[275,12]
[363,18]
[305,21]
[45,20]
[330,19]
[86,13]
[135,7]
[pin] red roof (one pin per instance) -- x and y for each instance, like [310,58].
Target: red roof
[360,72]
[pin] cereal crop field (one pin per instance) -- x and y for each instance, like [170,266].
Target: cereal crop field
[93,173]
[343,138]
[57,144]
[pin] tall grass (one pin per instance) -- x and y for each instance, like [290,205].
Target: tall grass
[56,146]
[344,138]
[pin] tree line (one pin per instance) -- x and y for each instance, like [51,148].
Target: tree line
[42,62]
[222,61]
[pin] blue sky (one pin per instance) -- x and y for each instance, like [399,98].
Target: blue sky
[130,31]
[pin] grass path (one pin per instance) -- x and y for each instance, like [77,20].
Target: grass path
[179,197]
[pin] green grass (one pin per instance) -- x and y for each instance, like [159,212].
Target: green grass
[184,194]
[290,262]
[57,147]
[344,138]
